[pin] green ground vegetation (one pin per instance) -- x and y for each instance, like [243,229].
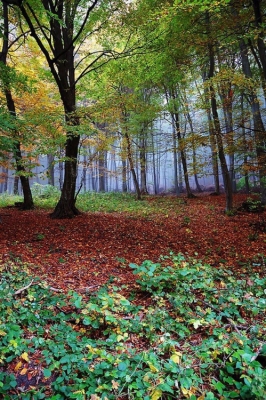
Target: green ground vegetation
[199,334]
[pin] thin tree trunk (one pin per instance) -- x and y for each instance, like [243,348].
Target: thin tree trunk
[124,165]
[50,160]
[142,158]
[16,182]
[101,172]
[194,156]
[225,172]
[155,185]
[175,156]
[182,154]
[131,165]
[84,172]
[5,179]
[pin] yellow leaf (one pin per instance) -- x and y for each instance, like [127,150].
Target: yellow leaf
[2,333]
[156,394]
[115,385]
[23,371]
[188,392]
[25,356]
[176,357]
[18,366]
[152,367]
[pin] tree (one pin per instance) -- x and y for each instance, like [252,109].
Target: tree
[63,32]
[27,195]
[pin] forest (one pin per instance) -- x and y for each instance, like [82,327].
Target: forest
[132,199]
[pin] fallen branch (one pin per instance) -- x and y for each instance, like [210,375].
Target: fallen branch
[23,288]
[54,289]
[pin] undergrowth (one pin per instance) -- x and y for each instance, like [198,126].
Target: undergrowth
[46,197]
[201,336]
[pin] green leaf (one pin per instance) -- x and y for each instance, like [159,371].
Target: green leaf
[122,366]
[47,373]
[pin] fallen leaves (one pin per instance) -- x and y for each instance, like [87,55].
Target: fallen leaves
[86,251]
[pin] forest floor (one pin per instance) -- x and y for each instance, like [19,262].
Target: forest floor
[83,253]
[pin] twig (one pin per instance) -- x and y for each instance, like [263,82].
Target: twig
[54,289]
[231,322]
[86,289]
[257,352]
[23,288]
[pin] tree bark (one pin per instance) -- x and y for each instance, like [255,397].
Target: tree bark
[259,130]
[50,170]
[217,127]
[131,165]
[175,117]
[142,158]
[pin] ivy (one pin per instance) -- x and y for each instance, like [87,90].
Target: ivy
[199,336]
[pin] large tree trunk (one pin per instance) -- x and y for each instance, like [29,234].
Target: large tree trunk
[217,127]
[221,153]
[213,145]
[66,208]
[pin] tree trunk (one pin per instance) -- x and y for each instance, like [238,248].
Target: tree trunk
[142,158]
[84,172]
[16,182]
[27,201]
[194,156]
[65,207]
[259,130]
[217,127]
[175,156]
[260,35]
[131,165]
[5,179]
[225,172]
[221,153]
[155,185]
[101,172]
[50,171]
[124,176]
[175,117]
[213,145]
[27,195]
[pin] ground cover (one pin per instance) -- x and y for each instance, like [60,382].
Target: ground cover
[126,328]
